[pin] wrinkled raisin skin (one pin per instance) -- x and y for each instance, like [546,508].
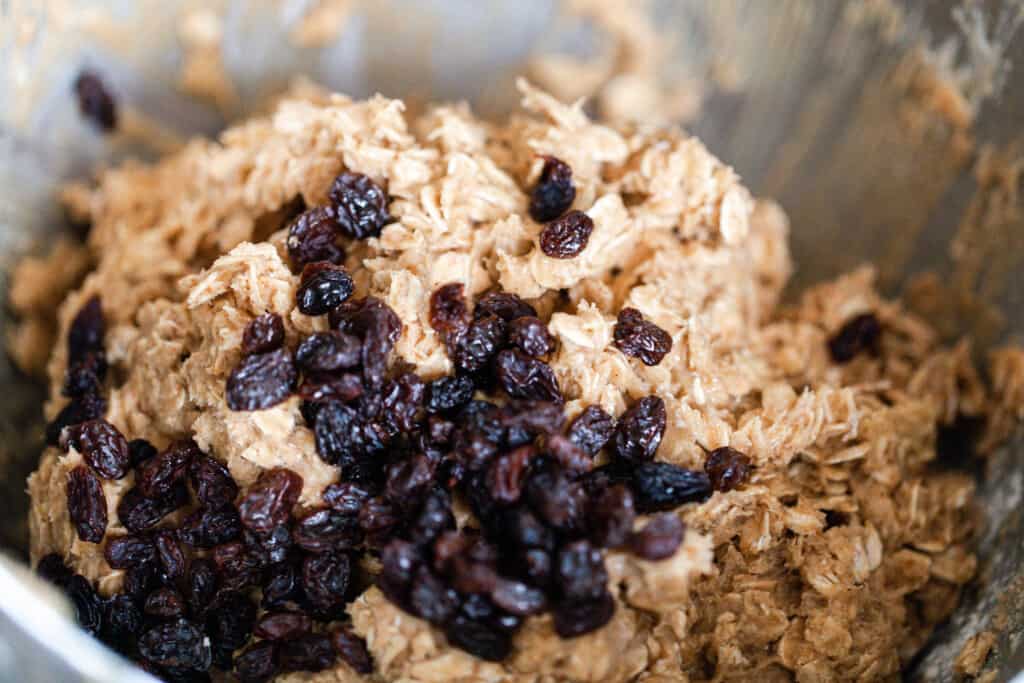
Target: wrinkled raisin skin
[639,430]
[641,338]
[263,333]
[860,333]
[531,336]
[554,192]
[360,205]
[261,381]
[322,287]
[592,429]
[213,484]
[156,476]
[660,486]
[352,650]
[505,305]
[449,315]
[87,504]
[478,639]
[727,468]
[102,446]
[268,503]
[312,237]
[567,236]
[178,644]
[527,378]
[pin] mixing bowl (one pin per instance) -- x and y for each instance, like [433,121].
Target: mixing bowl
[889,132]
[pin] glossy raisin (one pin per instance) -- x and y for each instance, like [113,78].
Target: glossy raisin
[80,409]
[128,551]
[271,547]
[179,644]
[269,501]
[660,486]
[322,287]
[727,468]
[156,476]
[87,504]
[576,618]
[343,438]
[433,518]
[446,395]
[527,378]
[860,333]
[122,622]
[571,457]
[379,519]
[504,305]
[264,333]
[258,664]
[345,387]
[201,584]
[164,603]
[531,336]
[566,237]
[95,102]
[639,431]
[482,340]
[261,381]
[323,530]
[206,528]
[449,315]
[402,400]
[282,584]
[346,497]
[556,499]
[169,554]
[139,512]
[641,338]
[360,205]
[399,562]
[325,581]
[324,352]
[431,599]
[660,537]
[213,484]
[237,566]
[352,649]
[554,192]
[312,237]
[592,429]
[518,598]
[231,620]
[580,572]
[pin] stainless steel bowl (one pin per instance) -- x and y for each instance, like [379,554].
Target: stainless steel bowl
[828,105]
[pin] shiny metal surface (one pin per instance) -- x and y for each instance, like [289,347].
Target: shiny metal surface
[788,52]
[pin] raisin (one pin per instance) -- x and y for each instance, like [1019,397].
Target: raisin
[352,649]
[537,566]
[567,454]
[576,618]
[521,421]
[52,568]
[360,205]
[446,395]
[237,566]
[325,581]
[527,378]
[344,439]
[140,581]
[367,318]
[478,639]
[323,530]
[312,237]
[328,352]
[580,572]
[122,622]
[261,381]
[434,517]
[85,375]
[592,429]
[448,313]
[282,584]
[554,192]
[322,287]
[567,236]
[169,554]
[431,599]
[263,333]
[345,387]
[639,431]
[346,497]
[504,305]
[268,503]
[641,338]
[164,603]
[79,409]
[178,644]
[139,512]
[727,468]
[402,400]
[87,603]
[156,476]
[399,562]
[95,102]
[507,474]
[201,584]
[518,598]
[87,329]
[611,518]
[409,481]
[659,539]
[231,620]
[258,664]
[521,528]
[660,486]
[379,519]
[207,528]
[531,336]
[282,625]
[124,552]
[271,547]
[860,333]
[482,340]
[311,652]
[87,504]
[139,451]
[558,501]
[213,484]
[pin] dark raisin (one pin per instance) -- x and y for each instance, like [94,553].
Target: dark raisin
[323,530]
[95,102]
[727,468]
[554,192]
[52,568]
[399,561]
[860,333]
[347,497]
[409,481]
[531,336]
[518,598]
[558,501]
[660,537]
[527,378]
[206,528]
[268,503]
[576,618]
[379,519]
[611,516]
[213,484]
[345,387]
[449,315]
[567,236]
[567,454]
[282,584]
[660,486]
[139,512]
[580,572]
[478,639]
[592,429]
[178,644]
[263,333]
[88,605]
[169,554]
[323,352]
[342,438]
[641,338]
[483,339]
[312,237]
[311,652]
[360,205]
[325,581]
[261,381]
[156,476]
[122,622]
[639,431]
[258,664]
[271,547]
[352,649]
[140,581]
[956,444]
[447,394]
[322,287]
[85,374]
[231,620]
[402,400]
[367,318]
[201,584]
[521,421]
[537,567]
[434,517]
[431,599]
[282,625]
[237,566]
[164,603]
[79,409]
[87,504]
[521,528]
[129,551]
[505,305]
[139,451]
[470,576]
[507,474]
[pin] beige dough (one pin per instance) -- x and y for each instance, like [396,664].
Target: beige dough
[189,250]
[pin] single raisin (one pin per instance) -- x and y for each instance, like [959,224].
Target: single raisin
[479,640]
[263,333]
[322,287]
[660,537]
[237,566]
[575,618]
[122,622]
[268,503]
[85,375]
[261,381]
[311,652]
[283,625]
[87,329]
[102,446]
[206,528]
[431,599]
[402,400]
[352,649]
[505,305]
[557,500]
[124,552]
[140,450]
[282,584]
[95,102]
[178,644]
[312,237]
[434,517]
[531,336]
[571,457]
[360,205]
[271,547]
[639,431]
[156,476]
[164,603]
[379,519]
[139,512]
[201,584]
[409,481]
[860,333]
[592,429]
[507,474]
[87,504]
[446,395]
[80,409]
[258,664]
[527,378]
[611,517]
[727,468]
[322,530]
[230,621]
[449,315]
[580,572]
[213,484]
[328,352]
[343,438]
[567,236]
[483,339]
[345,387]
[641,338]
[660,486]
[169,554]
[399,561]
[346,497]
[325,581]
[518,598]
[554,192]
[53,569]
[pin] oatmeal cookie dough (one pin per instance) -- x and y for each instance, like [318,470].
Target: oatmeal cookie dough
[847,546]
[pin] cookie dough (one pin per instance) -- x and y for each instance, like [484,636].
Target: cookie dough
[835,561]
